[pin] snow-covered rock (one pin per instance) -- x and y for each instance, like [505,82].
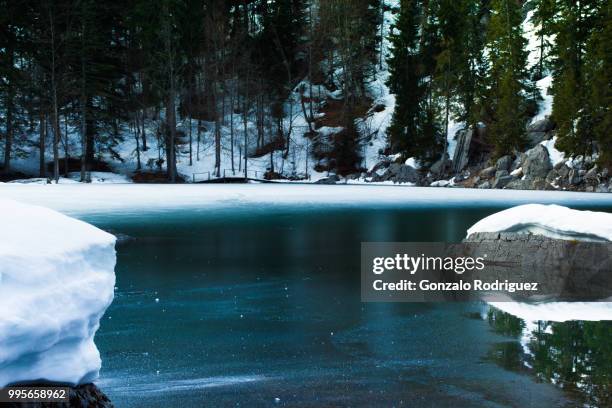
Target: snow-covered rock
[56,281]
[553,221]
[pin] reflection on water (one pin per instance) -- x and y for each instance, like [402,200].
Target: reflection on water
[575,355]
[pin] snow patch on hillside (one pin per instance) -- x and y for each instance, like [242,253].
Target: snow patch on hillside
[546,104]
[56,281]
[553,221]
[555,155]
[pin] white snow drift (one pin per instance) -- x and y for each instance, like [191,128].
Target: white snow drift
[553,221]
[56,280]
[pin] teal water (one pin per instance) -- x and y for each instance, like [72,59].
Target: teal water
[261,307]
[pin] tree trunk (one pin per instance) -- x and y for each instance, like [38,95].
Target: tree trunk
[42,165]
[245,112]
[66,146]
[8,143]
[143,131]
[137,137]
[217,147]
[198,140]
[232,127]
[56,138]
[84,166]
[56,128]
[171,135]
[190,143]
[10,106]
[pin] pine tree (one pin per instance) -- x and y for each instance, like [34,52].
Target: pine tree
[569,89]
[542,18]
[93,61]
[598,77]
[413,130]
[453,63]
[507,77]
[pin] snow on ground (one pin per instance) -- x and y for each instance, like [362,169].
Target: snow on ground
[546,104]
[139,198]
[75,177]
[555,155]
[56,280]
[553,221]
[101,177]
[557,311]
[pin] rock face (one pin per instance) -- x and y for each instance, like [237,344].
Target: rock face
[543,125]
[461,157]
[566,270]
[488,172]
[333,179]
[539,131]
[534,173]
[502,180]
[82,396]
[504,163]
[398,173]
[537,162]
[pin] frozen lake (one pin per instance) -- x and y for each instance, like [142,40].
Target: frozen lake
[248,295]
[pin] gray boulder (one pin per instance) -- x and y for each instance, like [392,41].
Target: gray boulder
[501,182]
[591,175]
[488,172]
[406,174]
[333,179]
[519,184]
[562,170]
[399,173]
[573,178]
[543,125]
[535,138]
[552,176]
[485,184]
[516,163]
[537,162]
[536,183]
[436,168]
[501,173]
[504,163]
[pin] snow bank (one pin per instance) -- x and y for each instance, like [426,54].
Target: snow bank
[56,280]
[557,311]
[553,221]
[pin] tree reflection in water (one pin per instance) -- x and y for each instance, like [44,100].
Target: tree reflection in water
[575,356]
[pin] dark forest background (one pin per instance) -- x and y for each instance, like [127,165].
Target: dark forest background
[103,68]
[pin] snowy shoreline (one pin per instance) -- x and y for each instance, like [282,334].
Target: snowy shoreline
[76,199]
